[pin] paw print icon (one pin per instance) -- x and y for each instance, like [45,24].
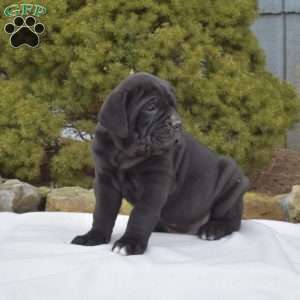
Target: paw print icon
[24,32]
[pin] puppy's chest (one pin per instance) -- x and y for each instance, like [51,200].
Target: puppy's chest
[130,187]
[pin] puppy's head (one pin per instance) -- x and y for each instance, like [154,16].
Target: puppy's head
[140,114]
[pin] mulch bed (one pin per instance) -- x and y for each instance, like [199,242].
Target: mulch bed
[280,175]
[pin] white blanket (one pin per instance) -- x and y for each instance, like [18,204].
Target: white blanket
[37,261]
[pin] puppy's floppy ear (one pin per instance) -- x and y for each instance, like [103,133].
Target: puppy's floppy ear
[169,89]
[113,115]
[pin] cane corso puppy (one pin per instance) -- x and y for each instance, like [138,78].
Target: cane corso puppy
[174,183]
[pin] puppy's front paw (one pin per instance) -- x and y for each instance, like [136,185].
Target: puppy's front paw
[129,246]
[92,238]
[213,230]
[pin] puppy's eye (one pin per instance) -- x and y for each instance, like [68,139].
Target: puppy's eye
[151,107]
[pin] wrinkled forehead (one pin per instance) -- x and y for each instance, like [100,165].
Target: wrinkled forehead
[141,86]
[142,82]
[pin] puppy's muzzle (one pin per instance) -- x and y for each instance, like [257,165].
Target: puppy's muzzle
[175,122]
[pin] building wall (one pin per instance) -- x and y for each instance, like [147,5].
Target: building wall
[278,31]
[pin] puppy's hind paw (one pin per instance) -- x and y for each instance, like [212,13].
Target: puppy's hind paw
[213,230]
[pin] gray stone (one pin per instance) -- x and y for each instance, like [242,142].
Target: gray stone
[294,204]
[6,200]
[19,197]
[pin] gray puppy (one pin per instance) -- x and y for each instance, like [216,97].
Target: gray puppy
[174,183]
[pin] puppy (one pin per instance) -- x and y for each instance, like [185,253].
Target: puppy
[174,183]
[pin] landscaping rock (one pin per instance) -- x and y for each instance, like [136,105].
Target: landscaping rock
[262,206]
[71,199]
[126,208]
[76,199]
[6,200]
[17,196]
[44,190]
[293,200]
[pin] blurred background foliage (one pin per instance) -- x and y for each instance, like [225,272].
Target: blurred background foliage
[205,48]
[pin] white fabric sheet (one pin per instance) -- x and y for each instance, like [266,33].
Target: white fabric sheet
[262,261]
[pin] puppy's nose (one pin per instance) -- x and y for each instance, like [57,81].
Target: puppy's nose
[175,122]
[177,125]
